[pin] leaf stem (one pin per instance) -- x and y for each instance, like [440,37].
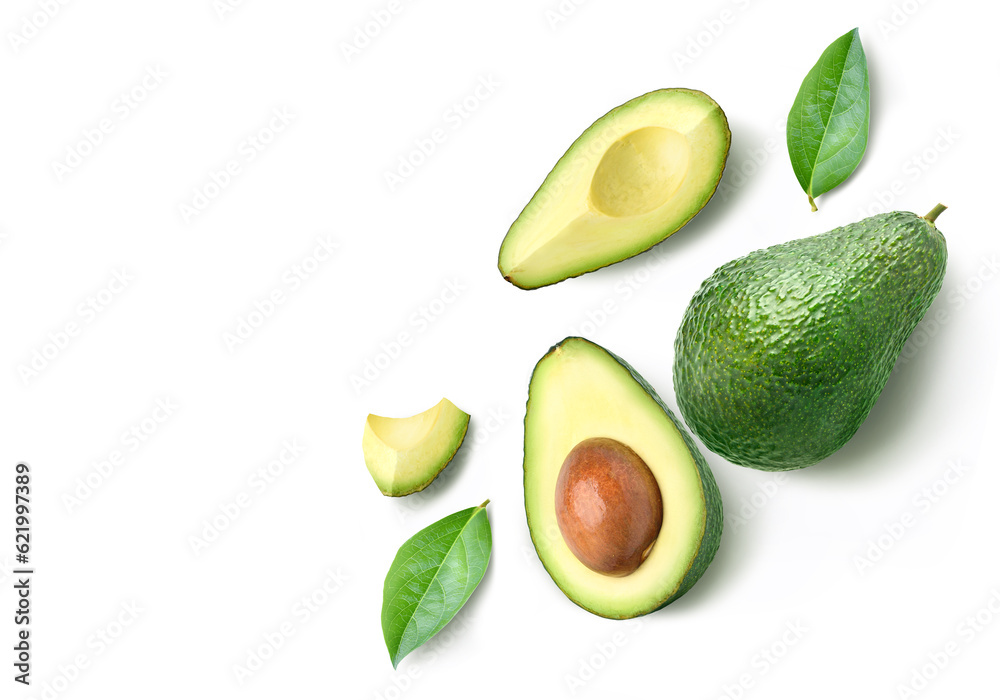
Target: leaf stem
[485,503]
[935,213]
[812,203]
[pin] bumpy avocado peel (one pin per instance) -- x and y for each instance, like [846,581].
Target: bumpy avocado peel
[782,353]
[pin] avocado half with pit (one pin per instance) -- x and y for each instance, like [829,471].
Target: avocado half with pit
[404,455]
[636,176]
[623,510]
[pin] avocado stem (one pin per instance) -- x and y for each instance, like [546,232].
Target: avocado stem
[812,203]
[935,213]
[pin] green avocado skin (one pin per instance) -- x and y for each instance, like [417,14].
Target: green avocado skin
[782,353]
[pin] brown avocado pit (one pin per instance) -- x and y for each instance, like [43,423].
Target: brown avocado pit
[608,506]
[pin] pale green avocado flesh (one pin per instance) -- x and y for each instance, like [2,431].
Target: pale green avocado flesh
[404,455]
[636,176]
[578,391]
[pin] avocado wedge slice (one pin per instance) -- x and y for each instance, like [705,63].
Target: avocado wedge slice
[404,455]
[636,176]
[584,406]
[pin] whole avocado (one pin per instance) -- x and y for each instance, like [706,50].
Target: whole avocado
[782,353]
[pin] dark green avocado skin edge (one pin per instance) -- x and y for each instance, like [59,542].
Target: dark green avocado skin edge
[781,381]
[666,235]
[712,527]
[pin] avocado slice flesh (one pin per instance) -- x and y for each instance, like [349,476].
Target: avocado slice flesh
[579,391]
[636,176]
[782,353]
[404,455]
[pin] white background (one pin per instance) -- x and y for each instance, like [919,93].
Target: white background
[792,561]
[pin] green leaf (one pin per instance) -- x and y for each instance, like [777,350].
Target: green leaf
[432,576]
[828,124]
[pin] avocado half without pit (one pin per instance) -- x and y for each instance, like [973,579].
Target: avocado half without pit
[404,455]
[622,509]
[636,176]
